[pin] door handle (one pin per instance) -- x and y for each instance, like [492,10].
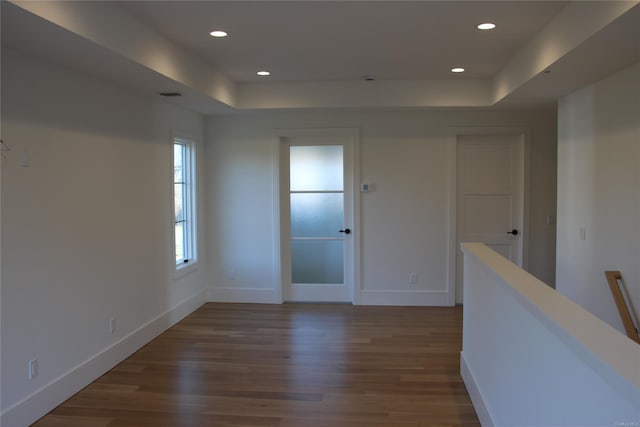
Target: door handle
[514,232]
[345,231]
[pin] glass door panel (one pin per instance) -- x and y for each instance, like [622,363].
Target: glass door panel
[317,261]
[316,200]
[317,214]
[316,168]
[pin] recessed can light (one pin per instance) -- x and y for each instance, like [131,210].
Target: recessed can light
[486,26]
[263,73]
[218,33]
[457,70]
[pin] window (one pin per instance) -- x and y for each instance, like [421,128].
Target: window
[184,197]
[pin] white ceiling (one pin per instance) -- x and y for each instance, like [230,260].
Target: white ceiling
[320,51]
[342,41]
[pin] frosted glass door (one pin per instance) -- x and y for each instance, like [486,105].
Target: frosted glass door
[316,200]
[317,228]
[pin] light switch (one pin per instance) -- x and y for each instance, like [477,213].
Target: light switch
[25,158]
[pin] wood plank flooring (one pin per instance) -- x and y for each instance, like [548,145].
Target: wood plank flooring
[291,365]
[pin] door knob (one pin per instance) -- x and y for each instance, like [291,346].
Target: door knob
[514,232]
[345,231]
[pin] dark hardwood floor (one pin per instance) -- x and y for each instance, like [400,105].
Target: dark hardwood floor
[291,365]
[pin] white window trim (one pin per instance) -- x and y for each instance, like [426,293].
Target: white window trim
[190,208]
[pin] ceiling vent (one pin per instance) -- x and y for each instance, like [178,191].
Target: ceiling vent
[169,94]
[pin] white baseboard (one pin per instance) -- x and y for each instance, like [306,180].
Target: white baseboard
[42,401]
[366,297]
[244,295]
[484,415]
[403,298]
[308,292]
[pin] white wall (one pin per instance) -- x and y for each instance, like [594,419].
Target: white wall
[532,357]
[599,189]
[404,220]
[86,229]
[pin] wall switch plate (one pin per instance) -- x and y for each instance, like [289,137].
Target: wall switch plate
[583,233]
[112,325]
[25,158]
[413,278]
[364,188]
[33,368]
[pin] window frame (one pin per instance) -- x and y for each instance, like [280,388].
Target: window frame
[189,206]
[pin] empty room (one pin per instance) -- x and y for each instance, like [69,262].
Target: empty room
[320,213]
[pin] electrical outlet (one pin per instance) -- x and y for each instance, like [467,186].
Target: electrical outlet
[112,325]
[413,278]
[33,368]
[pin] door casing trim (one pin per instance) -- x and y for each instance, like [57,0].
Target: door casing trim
[278,226]
[452,161]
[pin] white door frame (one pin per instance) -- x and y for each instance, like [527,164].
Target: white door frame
[281,260]
[454,132]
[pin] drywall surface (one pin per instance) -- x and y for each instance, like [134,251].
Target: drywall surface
[404,220]
[552,363]
[86,219]
[599,192]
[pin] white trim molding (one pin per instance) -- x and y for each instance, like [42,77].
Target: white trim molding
[39,403]
[244,295]
[404,298]
[483,413]
[350,139]
[454,132]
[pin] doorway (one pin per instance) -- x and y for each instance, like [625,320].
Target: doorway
[317,215]
[490,195]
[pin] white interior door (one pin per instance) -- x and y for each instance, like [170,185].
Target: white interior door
[317,216]
[490,196]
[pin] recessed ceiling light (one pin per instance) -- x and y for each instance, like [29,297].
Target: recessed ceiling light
[218,33]
[457,70]
[263,73]
[487,26]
